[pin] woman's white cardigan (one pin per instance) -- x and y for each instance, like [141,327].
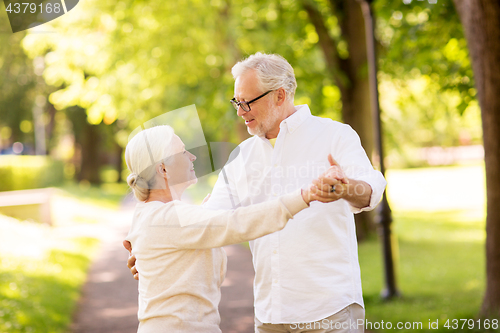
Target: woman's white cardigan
[181,263]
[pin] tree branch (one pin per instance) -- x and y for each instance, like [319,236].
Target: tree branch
[327,44]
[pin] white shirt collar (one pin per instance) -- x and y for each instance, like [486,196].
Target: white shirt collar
[296,119]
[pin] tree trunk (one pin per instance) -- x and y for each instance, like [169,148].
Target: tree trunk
[117,161]
[90,154]
[481,21]
[356,110]
[87,141]
[51,110]
[351,76]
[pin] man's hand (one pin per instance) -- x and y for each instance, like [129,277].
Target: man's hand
[335,171]
[334,185]
[131,260]
[206,199]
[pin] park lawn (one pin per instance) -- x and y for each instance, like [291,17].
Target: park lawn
[42,268]
[440,267]
[107,195]
[39,295]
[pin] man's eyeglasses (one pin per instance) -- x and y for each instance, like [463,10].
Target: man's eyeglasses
[246,105]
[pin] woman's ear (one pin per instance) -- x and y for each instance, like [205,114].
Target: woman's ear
[161,169]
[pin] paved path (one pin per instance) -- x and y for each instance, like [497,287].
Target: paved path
[236,307]
[109,300]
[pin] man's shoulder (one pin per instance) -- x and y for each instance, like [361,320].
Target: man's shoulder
[329,123]
[244,147]
[250,141]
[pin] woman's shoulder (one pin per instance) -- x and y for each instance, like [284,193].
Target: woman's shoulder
[173,214]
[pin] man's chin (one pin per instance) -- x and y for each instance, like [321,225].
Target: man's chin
[257,132]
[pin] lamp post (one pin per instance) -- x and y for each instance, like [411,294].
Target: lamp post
[384,216]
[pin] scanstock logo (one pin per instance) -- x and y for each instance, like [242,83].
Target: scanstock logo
[26,14]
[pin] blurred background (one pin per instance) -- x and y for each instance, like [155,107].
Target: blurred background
[73,89]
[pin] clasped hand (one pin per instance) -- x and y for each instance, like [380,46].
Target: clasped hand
[329,187]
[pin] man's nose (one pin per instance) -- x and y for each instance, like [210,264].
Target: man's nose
[240,112]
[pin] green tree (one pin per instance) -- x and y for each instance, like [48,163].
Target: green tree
[128,62]
[340,28]
[21,90]
[427,88]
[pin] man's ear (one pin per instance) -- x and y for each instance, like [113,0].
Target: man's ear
[281,96]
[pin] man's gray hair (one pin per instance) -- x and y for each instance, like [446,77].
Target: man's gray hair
[273,72]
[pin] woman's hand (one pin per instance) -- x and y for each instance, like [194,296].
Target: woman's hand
[330,186]
[321,190]
[334,185]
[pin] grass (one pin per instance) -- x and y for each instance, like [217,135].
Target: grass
[440,253]
[441,270]
[42,268]
[107,195]
[40,295]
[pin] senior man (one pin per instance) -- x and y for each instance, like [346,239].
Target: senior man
[307,276]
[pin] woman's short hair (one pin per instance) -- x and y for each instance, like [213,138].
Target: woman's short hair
[273,72]
[143,152]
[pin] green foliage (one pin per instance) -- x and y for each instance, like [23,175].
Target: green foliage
[425,39]
[125,62]
[136,60]
[28,172]
[16,83]
[433,279]
[426,85]
[21,87]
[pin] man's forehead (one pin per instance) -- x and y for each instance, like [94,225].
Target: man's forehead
[245,85]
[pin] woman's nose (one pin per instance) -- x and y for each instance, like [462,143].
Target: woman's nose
[192,157]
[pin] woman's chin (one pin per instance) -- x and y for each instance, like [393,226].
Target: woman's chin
[185,185]
[193,181]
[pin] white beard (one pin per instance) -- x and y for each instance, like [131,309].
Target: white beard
[267,123]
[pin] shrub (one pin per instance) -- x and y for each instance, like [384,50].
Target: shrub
[27,172]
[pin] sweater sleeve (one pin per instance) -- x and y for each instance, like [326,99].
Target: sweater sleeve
[186,226]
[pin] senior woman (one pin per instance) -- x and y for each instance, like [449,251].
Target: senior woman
[177,245]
